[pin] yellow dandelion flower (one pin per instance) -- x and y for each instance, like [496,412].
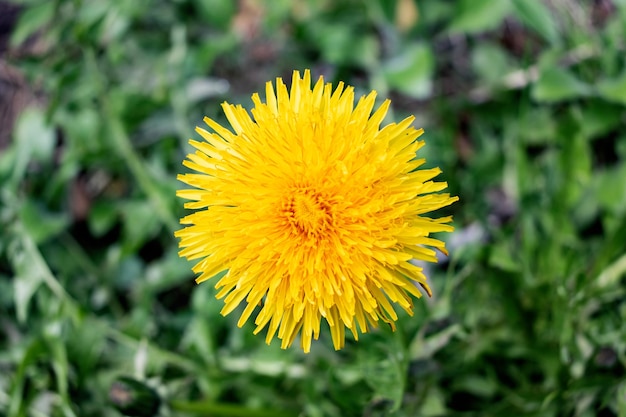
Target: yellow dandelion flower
[313,210]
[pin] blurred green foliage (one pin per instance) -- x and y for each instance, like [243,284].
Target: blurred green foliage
[523,106]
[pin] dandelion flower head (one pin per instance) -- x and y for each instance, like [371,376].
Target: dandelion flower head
[311,210]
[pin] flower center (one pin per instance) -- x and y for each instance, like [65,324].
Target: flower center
[307,212]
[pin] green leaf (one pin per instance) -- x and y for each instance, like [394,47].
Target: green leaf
[140,223]
[365,51]
[411,73]
[576,165]
[81,128]
[537,16]
[115,25]
[7,164]
[612,274]
[490,62]
[102,217]
[384,373]
[479,15]
[129,271]
[502,258]
[340,44]
[538,126]
[621,398]
[387,8]
[613,89]
[85,345]
[170,270]
[217,13]
[60,363]
[34,140]
[556,84]
[609,190]
[612,246]
[89,15]
[32,353]
[41,224]
[434,404]
[24,287]
[599,117]
[477,385]
[34,18]
[28,277]
[427,347]
[31,270]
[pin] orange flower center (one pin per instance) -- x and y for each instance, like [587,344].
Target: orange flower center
[307,212]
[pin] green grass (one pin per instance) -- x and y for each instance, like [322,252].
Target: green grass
[524,107]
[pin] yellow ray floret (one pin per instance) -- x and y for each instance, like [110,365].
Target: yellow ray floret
[314,211]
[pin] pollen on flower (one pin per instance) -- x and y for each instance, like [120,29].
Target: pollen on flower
[307,212]
[314,210]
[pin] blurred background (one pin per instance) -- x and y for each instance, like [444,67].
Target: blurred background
[524,107]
